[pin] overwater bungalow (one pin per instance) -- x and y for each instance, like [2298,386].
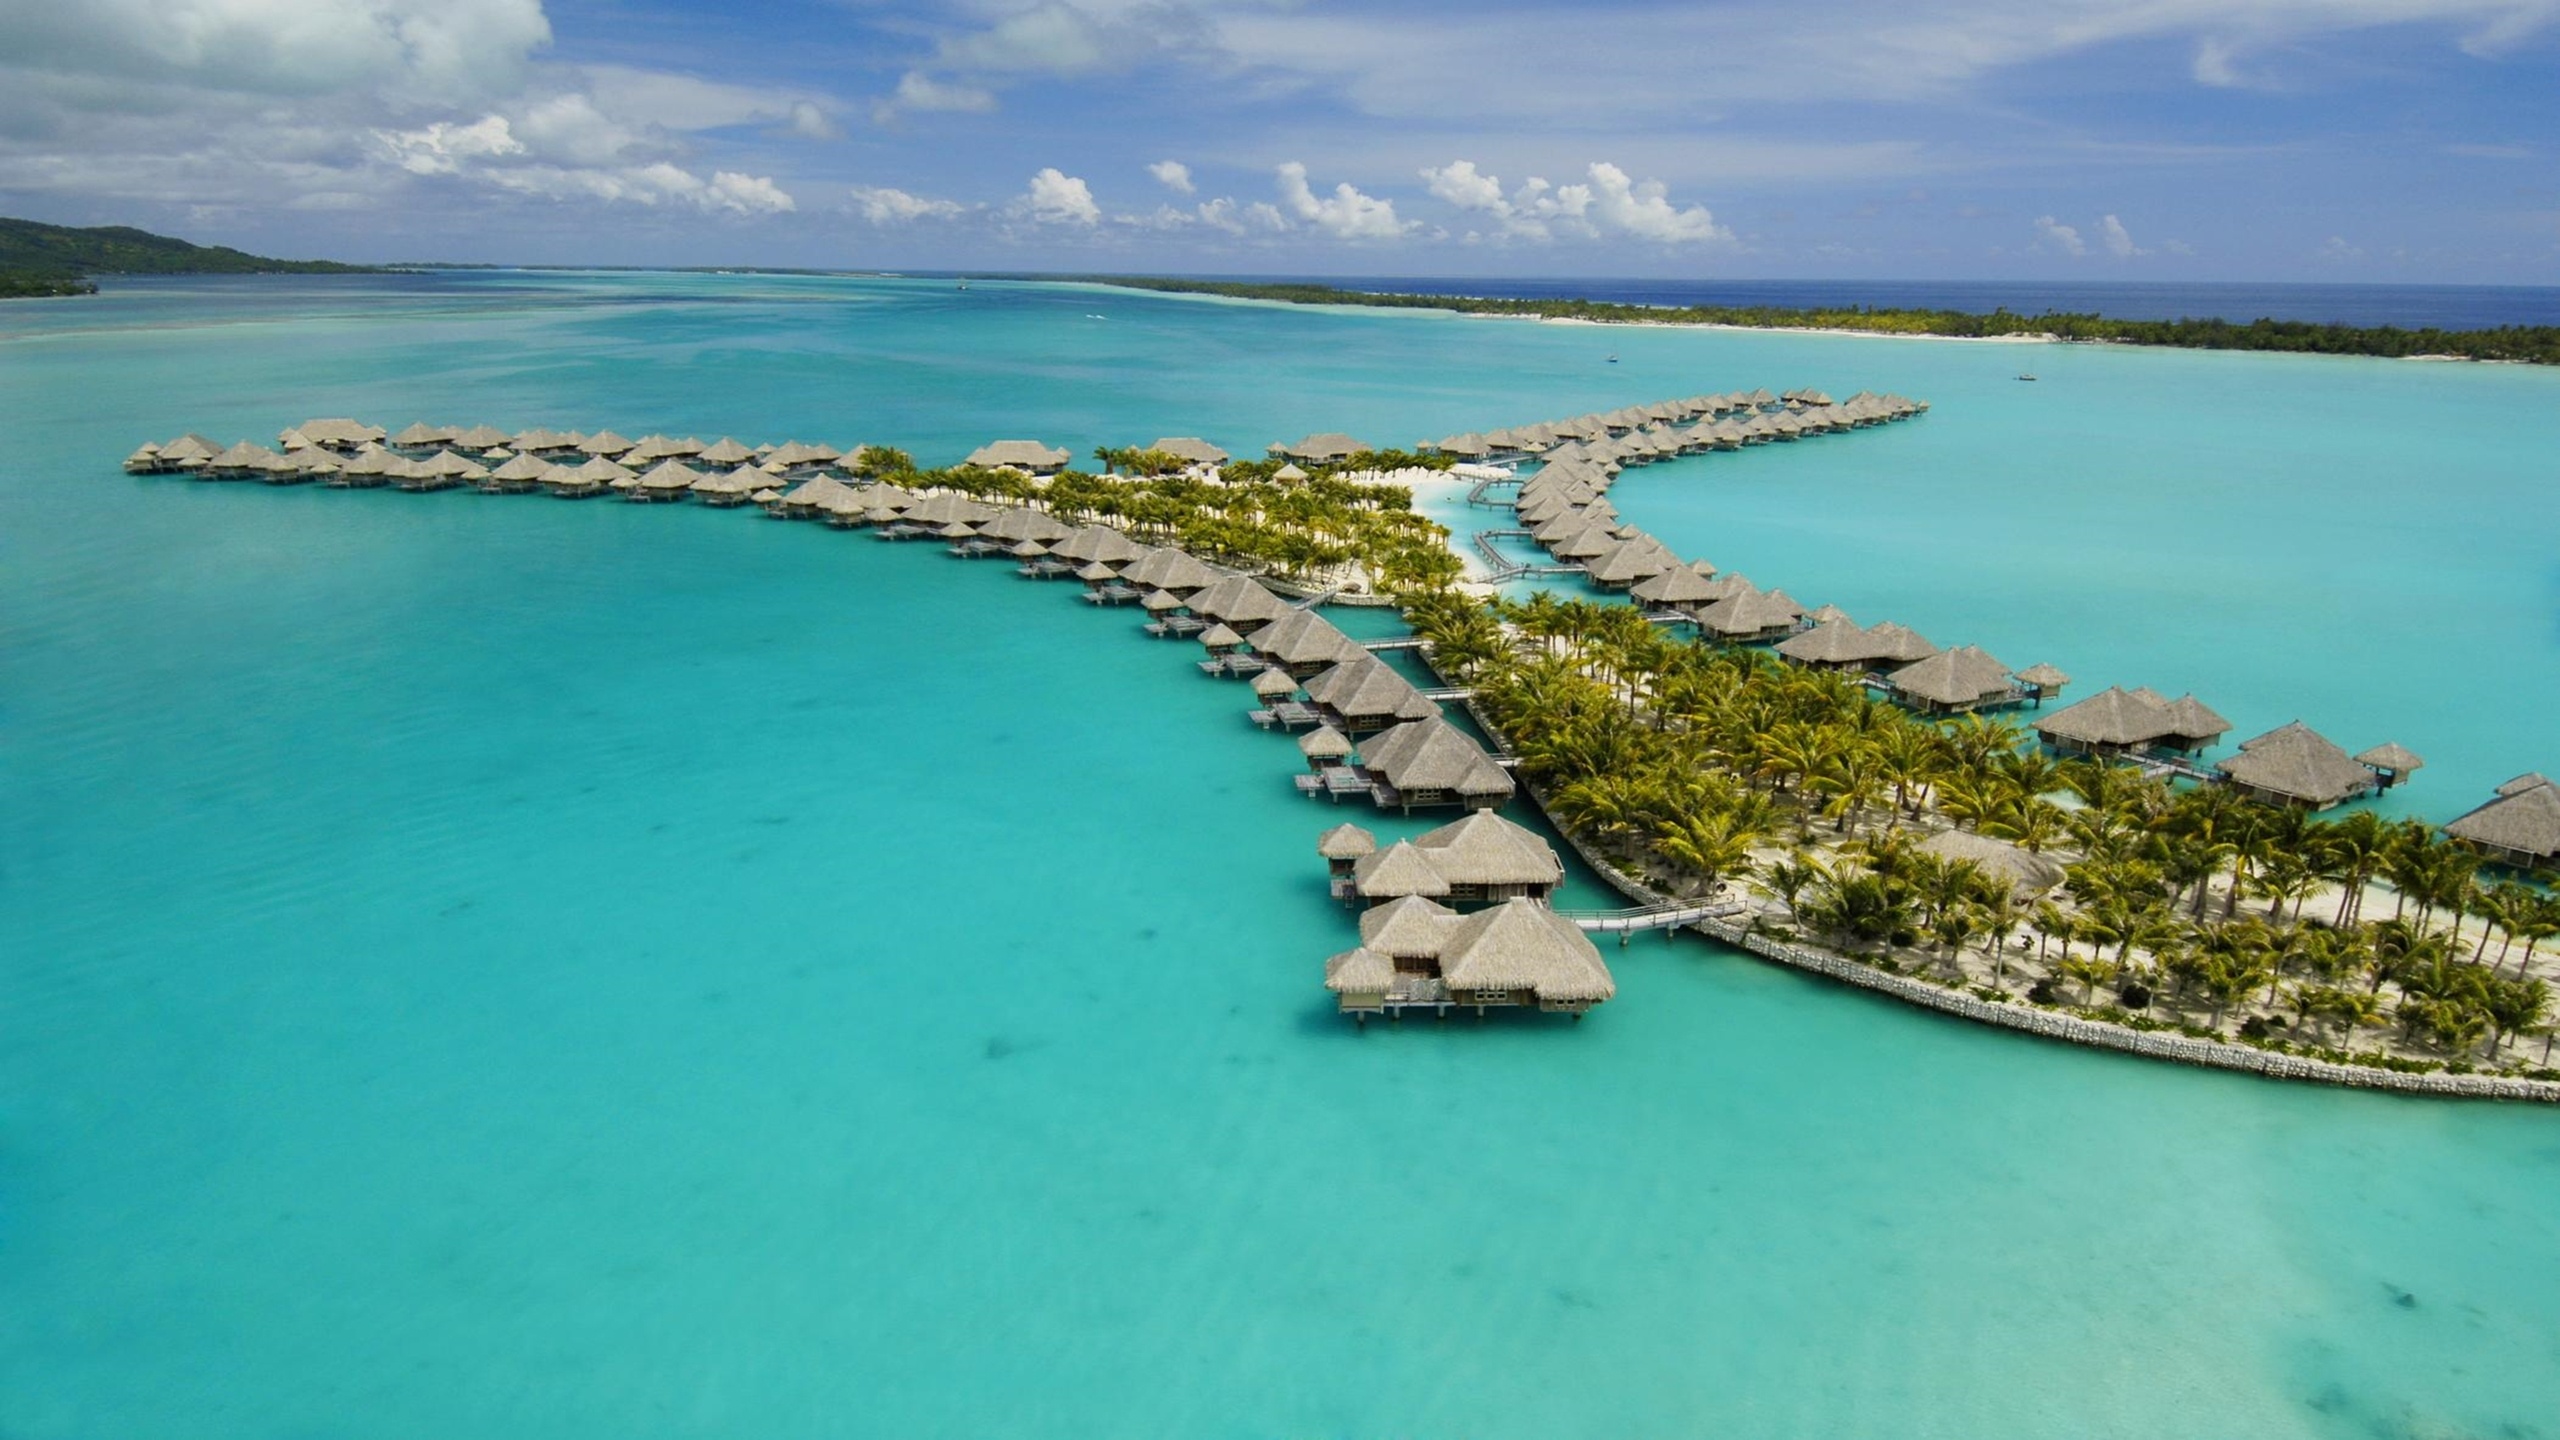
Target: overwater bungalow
[1622,565]
[545,442]
[1099,543]
[1320,449]
[1899,644]
[348,436]
[667,480]
[797,455]
[1028,456]
[1171,568]
[1302,643]
[518,475]
[479,439]
[1678,588]
[421,436]
[2193,725]
[1275,683]
[1594,539]
[2298,766]
[439,471]
[1343,846]
[2391,763]
[1365,694]
[604,444]
[1953,682]
[1464,447]
[734,486]
[2113,722]
[726,451]
[1481,859]
[238,462]
[1835,644]
[1516,954]
[1239,600]
[939,512]
[2043,682]
[585,481]
[1752,618]
[2519,826]
[1188,448]
[818,496]
[1221,640]
[1021,525]
[1427,762]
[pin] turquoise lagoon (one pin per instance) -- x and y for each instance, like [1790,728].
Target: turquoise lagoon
[514,968]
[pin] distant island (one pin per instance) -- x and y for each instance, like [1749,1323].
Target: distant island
[37,259]
[2528,344]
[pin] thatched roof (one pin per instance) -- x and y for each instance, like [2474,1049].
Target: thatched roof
[1834,642]
[523,467]
[1485,849]
[1094,572]
[419,435]
[1679,585]
[1170,567]
[600,471]
[2026,871]
[2192,719]
[2297,762]
[604,442]
[1966,675]
[1432,754]
[1894,641]
[1020,454]
[2398,759]
[1239,600]
[1346,842]
[1413,927]
[948,509]
[1522,945]
[1751,614]
[1397,871]
[1628,561]
[478,437]
[1216,637]
[826,492]
[1332,445]
[1366,687]
[671,475]
[1189,447]
[1359,971]
[343,432]
[1154,602]
[2044,677]
[740,480]
[794,452]
[1594,539]
[1275,684]
[1303,637]
[2524,819]
[1098,542]
[725,451]
[2113,716]
[1020,522]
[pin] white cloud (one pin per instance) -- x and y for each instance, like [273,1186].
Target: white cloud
[2337,248]
[883,205]
[1056,198]
[919,92]
[1612,203]
[810,122]
[441,148]
[2060,236]
[1462,185]
[659,183]
[451,49]
[1346,214]
[2117,240]
[1644,210]
[1173,175]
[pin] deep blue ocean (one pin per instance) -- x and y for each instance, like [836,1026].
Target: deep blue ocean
[2449,307]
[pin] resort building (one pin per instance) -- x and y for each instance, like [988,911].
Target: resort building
[2298,766]
[1954,681]
[1482,859]
[1028,456]
[1365,693]
[1322,449]
[1189,448]
[2117,721]
[1303,643]
[1429,762]
[1416,954]
[2520,826]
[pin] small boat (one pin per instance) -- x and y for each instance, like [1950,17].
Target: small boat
[1613,359]
[2023,376]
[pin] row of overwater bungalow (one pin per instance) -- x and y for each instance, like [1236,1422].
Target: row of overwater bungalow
[1688,426]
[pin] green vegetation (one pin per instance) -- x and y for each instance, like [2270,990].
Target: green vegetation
[2535,344]
[1324,531]
[1693,765]
[40,259]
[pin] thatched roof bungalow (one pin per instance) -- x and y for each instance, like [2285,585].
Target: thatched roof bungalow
[1189,448]
[1365,693]
[2112,722]
[1028,456]
[1320,449]
[2520,826]
[2298,766]
[1431,762]
[1953,681]
[1303,642]
[1239,600]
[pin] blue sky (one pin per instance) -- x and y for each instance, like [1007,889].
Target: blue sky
[2377,140]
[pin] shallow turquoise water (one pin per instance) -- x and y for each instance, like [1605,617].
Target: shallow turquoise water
[495,966]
